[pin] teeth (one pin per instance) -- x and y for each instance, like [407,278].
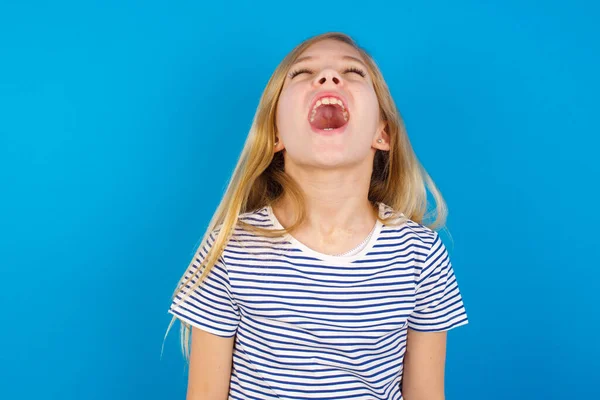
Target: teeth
[329,100]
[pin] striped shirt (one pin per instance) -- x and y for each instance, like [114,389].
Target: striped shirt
[309,325]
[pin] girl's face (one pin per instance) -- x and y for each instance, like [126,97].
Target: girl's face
[328,113]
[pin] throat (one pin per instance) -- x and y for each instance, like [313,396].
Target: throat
[328,117]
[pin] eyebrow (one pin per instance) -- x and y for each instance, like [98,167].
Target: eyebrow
[350,58]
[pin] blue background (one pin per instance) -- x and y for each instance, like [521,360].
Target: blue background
[120,123]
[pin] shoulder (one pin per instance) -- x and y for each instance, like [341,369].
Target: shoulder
[258,218]
[247,238]
[241,231]
[403,230]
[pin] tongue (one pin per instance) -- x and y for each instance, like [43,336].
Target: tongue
[328,116]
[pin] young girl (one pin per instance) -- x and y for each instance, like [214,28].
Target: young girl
[317,277]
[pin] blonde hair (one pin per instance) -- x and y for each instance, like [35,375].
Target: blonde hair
[398,179]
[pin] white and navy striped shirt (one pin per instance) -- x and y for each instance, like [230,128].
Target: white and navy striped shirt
[315,326]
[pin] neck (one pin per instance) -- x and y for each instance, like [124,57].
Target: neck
[336,201]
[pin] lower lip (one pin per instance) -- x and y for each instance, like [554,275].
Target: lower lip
[336,131]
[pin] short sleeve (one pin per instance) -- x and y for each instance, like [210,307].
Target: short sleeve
[211,306]
[439,305]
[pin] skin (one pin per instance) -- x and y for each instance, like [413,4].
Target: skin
[424,366]
[211,358]
[334,172]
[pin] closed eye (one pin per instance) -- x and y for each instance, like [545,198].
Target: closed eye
[299,71]
[356,70]
[308,71]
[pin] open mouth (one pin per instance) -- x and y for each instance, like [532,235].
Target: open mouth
[328,114]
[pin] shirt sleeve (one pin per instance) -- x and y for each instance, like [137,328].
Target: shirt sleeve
[211,306]
[439,306]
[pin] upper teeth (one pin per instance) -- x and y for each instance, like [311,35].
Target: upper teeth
[328,100]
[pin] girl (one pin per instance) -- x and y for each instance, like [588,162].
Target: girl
[317,277]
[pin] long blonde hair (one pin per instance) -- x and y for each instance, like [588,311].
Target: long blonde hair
[398,179]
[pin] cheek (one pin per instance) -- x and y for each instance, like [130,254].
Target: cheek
[373,106]
[286,109]
[283,103]
[282,111]
[368,107]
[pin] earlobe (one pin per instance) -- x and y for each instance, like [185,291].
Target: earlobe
[276,145]
[383,142]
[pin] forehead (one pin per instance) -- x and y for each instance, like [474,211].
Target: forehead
[330,48]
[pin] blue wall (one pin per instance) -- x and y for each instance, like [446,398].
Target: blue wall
[120,123]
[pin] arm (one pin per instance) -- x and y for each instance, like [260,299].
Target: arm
[424,366]
[210,366]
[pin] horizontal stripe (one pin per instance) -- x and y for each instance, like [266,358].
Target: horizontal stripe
[310,325]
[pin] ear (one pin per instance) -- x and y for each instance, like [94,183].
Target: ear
[279,146]
[383,136]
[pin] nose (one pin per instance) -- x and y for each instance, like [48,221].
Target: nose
[327,75]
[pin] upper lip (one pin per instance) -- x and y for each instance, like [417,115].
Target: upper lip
[320,95]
